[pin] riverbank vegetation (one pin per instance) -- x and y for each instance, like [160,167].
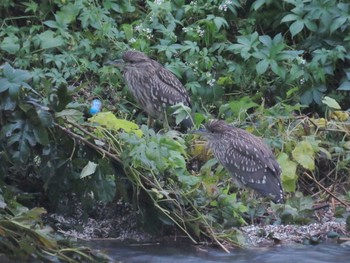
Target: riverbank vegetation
[279,69]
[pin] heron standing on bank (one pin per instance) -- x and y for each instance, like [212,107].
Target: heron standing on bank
[154,88]
[246,157]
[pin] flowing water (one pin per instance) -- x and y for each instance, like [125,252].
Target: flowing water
[157,253]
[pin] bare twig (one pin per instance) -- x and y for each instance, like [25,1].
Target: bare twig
[88,143]
[326,190]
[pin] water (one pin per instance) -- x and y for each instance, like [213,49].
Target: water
[158,253]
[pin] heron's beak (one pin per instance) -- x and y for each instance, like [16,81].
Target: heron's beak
[119,63]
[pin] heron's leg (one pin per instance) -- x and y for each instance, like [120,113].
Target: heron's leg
[166,125]
[149,122]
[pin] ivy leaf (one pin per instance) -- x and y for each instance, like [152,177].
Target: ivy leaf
[304,154]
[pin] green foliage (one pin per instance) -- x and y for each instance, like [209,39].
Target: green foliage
[25,238]
[24,121]
[29,137]
[156,164]
[235,64]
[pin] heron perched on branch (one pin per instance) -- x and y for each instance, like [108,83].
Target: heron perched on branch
[154,87]
[246,157]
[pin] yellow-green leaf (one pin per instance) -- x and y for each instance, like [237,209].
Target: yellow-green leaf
[110,121]
[288,176]
[332,103]
[304,154]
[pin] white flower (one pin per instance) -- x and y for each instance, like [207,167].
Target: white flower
[138,28]
[200,31]
[224,5]
[158,2]
[211,82]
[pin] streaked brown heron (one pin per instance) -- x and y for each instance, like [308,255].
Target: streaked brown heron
[246,157]
[154,88]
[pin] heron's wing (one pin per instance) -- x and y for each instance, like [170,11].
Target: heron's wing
[247,158]
[171,86]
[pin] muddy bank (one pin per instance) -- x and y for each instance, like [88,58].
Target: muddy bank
[121,222]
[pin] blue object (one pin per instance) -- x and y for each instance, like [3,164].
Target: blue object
[96,106]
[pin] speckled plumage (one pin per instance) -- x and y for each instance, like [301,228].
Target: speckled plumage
[154,87]
[246,157]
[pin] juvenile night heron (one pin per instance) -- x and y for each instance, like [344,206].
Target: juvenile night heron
[246,157]
[154,87]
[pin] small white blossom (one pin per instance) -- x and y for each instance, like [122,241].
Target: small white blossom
[302,81]
[224,5]
[158,2]
[301,61]
[211,82]
[200,31]
[138,28]
[133,40]
[185,29]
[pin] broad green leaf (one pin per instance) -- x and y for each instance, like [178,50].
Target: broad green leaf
[10,44]
[296,27]
[332,103]
[181,112]
[49,40]
[189,179]
[219,22]
[266,40]
[304,154]
[289,17]
[311,25]
[344,86]
[128,31]
[276,69]
[41,135]
[51,23]
[45,117]
[4,84]
[18,76]
[262,66]
[257,4]
[72,115]
[105,189]
[67,14]
[288,176]
[337,23]
[89,169]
